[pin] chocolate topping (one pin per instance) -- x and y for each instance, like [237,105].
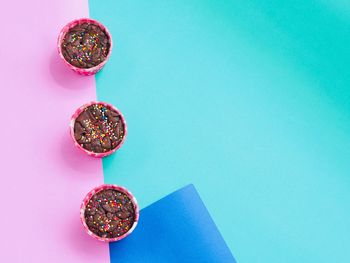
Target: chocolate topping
[99,128]
[85,45]
[109,213]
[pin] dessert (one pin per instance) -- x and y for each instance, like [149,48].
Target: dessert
[99,128]
[85,45]
[109,213]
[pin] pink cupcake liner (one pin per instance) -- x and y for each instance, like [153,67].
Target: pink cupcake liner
[105,187]
[72,123]
[65,29]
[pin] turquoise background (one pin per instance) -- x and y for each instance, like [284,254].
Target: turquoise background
[247,100]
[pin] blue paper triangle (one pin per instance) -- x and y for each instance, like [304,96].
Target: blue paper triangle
[177,228]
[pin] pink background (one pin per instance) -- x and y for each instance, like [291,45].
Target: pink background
[44,177]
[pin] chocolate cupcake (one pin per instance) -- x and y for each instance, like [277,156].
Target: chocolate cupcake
[85,45]
[98,129]
[109,213]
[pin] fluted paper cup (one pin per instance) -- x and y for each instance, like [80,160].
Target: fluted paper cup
[108,187]
[79,111]
[64,31]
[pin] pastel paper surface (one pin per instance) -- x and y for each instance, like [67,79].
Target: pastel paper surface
[177,228]
[247,99]
[44,177]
